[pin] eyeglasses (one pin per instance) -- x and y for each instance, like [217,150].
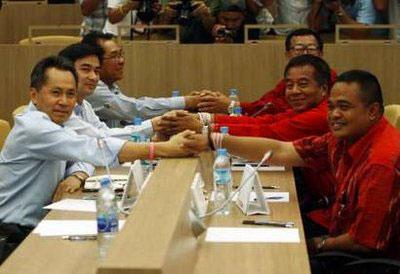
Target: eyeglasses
[305,48]
[115,56]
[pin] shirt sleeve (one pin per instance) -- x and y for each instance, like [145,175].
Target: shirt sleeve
[46,140]
[113,3]
[275,98]
[374,225]
[80,167]
[287,126]
[363,11]
[115,105]
[314,151]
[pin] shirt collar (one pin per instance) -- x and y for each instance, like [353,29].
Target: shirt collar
[356,149]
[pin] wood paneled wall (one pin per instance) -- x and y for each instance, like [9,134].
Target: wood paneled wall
[16,17]
[157,69]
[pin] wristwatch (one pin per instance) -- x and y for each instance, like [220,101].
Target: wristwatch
[79,177]
[322,243]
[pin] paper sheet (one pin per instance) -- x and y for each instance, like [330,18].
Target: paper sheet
[272,197]
[252,235]
[74,205]
[68,227]
[240,167]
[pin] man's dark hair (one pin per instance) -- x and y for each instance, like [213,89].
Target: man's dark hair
[39,72]
[303,32]
[322,71]
[370,89]
[80,50]
[93,37]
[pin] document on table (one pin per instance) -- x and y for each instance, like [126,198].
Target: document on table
[74,205]
[68,227]
[252,235]
[271,197]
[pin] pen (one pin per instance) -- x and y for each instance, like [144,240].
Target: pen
[270,187]
[80,237]
[269,223]
[271,198]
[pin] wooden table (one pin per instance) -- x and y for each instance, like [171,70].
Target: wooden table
[157,236]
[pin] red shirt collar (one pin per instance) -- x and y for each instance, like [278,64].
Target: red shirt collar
[356,149]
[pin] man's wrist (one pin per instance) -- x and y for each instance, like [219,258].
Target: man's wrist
[80,176]
[322,244]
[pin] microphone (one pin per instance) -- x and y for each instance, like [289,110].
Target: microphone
[265,107]
[265,158]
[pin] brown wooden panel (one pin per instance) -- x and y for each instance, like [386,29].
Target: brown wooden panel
[16,17]
[157,69]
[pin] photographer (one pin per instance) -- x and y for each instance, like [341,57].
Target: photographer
[194,18]
[122,12]
[325,14]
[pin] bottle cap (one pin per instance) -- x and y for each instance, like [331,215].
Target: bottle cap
[224,130]
[137,121]
[106,181]
[222,152]
[233,91]
[175,93]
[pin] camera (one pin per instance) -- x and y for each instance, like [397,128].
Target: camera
[145,11]
[226,33]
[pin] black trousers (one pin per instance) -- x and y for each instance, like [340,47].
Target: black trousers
[11,235]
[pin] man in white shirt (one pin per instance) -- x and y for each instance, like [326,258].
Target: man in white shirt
[86,60]
[109,102]
[41,150]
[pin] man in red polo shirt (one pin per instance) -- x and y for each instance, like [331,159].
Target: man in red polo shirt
[307,81]
[298,42]
[363,152]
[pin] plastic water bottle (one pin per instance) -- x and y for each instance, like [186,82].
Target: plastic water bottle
[138,137]
[234,97]
[107,217]
[237,111]
[176,93]
[222,181]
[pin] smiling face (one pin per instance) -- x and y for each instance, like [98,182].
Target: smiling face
[112,68]
[348,116]
[88,69]
[57,96]
[302,89]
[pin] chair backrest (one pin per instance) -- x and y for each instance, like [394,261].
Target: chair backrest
[392,113]
[4,130]
[51,40]
[19,110]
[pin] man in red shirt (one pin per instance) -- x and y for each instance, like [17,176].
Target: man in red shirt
[362,150]
[298,42]
[307,81]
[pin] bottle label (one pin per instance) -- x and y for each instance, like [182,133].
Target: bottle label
[107,223]
[222,176]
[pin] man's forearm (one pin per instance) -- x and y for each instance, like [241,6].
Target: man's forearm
[343,243]
[254,149]
[88,6]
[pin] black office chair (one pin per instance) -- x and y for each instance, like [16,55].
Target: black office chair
[336,262]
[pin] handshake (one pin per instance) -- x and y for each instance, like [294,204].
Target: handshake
[177,121]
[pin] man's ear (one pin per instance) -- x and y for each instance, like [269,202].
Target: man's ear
[325,90]
[374,111]
[34,95]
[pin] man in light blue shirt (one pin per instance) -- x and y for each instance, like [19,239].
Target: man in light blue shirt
[86,60]
[109,102]
[41,150]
